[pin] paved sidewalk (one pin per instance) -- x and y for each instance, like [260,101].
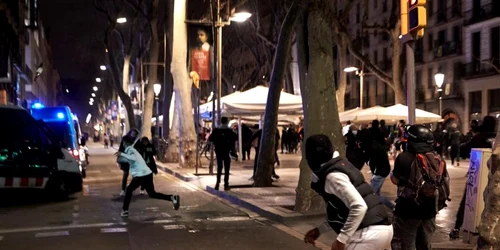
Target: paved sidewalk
[276,203]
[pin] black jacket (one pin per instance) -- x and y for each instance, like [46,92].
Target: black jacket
[378,160]
[223,139]
[337,211]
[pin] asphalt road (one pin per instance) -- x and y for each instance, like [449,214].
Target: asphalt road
[91,219]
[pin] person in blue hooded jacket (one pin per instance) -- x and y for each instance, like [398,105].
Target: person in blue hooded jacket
[141,176]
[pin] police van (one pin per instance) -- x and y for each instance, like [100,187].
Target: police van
[32,157]
[65,126]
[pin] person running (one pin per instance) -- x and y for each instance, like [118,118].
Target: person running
[354,211]
[125,166]
[141,176]
[148,153]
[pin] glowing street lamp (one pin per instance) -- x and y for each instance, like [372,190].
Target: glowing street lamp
[121,20]
[98,79]
[93,94]
[95,88]
[240,17]
[439,78]
[103,67]
[157,90]
[361,75]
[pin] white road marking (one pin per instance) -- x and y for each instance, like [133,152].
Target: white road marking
[160,221]
[230,218]
[34,229]
[165,215]
[52,234]
[174,227]
[152,208]
[114,230]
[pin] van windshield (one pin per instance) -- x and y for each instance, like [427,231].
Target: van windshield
[61,130]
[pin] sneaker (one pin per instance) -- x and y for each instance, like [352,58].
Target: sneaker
[455,234]
[275,176]
[124,213]
[226,188]
[142,192]
[216,187]
[122,193]
[177,201]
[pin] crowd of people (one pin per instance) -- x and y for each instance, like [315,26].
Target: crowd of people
[356,209]
[419,153]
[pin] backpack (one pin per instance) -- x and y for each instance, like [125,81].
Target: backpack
[429,182]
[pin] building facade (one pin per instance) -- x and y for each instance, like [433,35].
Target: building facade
[439,51]
[482,59]
[27,73]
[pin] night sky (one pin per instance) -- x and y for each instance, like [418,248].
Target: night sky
[76,32]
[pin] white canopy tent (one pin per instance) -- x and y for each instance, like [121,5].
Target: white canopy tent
[390,114]
[253,102]
[206,108]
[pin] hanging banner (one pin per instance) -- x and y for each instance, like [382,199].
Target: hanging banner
[201,51]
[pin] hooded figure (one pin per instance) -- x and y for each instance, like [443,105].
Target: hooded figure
[352,206]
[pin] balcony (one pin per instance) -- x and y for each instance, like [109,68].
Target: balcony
[447,49]
[481,69]
[485,12]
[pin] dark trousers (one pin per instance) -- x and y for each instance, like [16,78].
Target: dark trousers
[459,221]
[223,160]
[454,153]
[125,177]
[147,183]
[246,153]
[411,234]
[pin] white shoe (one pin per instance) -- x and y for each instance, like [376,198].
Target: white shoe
[142,192]
[124,214]
[122,193]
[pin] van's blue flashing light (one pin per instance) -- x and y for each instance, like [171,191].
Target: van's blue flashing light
[37,105]
[60,115]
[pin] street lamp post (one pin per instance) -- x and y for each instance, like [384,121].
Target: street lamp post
[235,17]
[157,89]
[361,75]
[439,78]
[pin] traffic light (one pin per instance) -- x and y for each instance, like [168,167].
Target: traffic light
[417,15]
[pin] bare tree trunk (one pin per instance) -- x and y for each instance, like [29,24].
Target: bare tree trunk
[153,78]
[126,80]
[268,138]
[305,197]
[182,88]
[288,79]
[342,52]
[397,46]
[489,228]
[172,153]
[118,86]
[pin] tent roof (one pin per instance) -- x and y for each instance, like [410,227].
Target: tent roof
[390,114]
[253,102]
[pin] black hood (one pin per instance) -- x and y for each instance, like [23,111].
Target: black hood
[419,147]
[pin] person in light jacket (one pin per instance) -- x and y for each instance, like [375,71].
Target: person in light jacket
[141,176]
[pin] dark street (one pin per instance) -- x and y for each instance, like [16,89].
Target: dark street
[91,219]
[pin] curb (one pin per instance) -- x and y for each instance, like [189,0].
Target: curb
[270,213]
[182,177]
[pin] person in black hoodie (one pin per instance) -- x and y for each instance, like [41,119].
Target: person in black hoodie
[438,139]
[378,160]
[454,138]
[376,134]
[125,167]
[353,152]
[223,139]
[354,211]
[483,139]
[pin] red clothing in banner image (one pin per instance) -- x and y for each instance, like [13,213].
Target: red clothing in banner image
[200,63]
